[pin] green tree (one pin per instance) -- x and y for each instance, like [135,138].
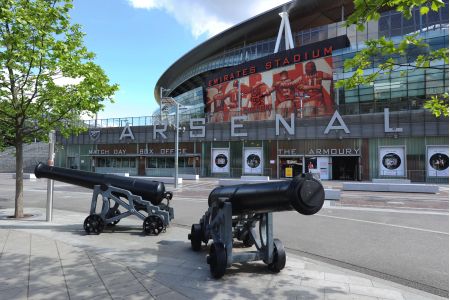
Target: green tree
[48,78]
[389,56]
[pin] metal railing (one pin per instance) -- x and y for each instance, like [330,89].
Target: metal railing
[225,116]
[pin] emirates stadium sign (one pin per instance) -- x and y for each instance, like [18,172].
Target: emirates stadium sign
[286,82]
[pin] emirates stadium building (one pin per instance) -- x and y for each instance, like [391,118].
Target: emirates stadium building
[260,99]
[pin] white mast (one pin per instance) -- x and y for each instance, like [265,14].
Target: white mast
[289,42]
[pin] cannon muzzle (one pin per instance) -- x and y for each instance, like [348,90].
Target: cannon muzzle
[153,191]
[303,193]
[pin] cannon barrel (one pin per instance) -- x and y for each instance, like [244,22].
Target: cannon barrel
[303,193]
[153,191]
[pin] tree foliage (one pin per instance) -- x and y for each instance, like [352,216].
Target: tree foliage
[438,105]
[388,56]
[48,78]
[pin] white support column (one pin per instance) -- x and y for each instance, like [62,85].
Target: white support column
[286,25]
[288,40]
[288,33]
[280,33]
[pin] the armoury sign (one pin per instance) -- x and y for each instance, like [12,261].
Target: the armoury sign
[349,151]
[197,127]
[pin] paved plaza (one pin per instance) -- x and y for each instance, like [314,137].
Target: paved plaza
[57,260]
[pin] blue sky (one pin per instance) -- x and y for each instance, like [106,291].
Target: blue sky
[135,41]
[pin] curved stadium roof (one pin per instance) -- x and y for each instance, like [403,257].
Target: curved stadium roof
[303,14]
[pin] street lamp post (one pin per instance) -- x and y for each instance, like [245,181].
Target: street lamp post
[177,133]
[172,101]
[50,182]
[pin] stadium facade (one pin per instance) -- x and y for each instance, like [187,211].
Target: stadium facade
[249,110]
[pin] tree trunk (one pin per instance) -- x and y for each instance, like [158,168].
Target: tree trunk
[18,213]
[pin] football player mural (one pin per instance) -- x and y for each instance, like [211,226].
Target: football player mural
[313,86]
[216,102]
[223,101]
[304,89]
[256,98]
[285,85]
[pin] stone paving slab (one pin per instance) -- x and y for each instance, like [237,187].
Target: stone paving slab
[40,260]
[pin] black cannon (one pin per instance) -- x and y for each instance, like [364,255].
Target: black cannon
[134,195]
[234,212]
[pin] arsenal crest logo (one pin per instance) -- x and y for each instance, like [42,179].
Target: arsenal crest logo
[94,134]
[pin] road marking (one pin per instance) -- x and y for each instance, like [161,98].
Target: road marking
[190,199]
[397,197]
[56,191]
[385,224]
[392,209]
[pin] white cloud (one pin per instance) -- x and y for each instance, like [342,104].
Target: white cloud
[63,81]
[206,16]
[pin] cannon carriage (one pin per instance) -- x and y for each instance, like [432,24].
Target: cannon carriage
[148,200]
[244,212]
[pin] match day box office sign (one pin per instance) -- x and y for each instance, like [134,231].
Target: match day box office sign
[437,161]
[392,161]
[166,149]
[114,150]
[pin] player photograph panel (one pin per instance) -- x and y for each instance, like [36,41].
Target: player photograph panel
[215,102]
[304,89]
[315,91]
[222,101]
[437,161]
[220,160]
[253,161]
[256,97]
[392,161]
[284,88]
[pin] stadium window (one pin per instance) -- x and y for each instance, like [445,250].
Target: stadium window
[396,24]
[384,25]
[170,162]
[152,162]
[181,162]
[133,162]
[101,162]
[314,36]
[161,162]
[351,96]
[444,14]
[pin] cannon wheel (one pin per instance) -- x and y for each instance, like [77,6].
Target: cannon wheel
[112,213]
[153,225]
[204,236]
[196,237]
[247,240]
[93,224]
[279,257]
[217,259]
